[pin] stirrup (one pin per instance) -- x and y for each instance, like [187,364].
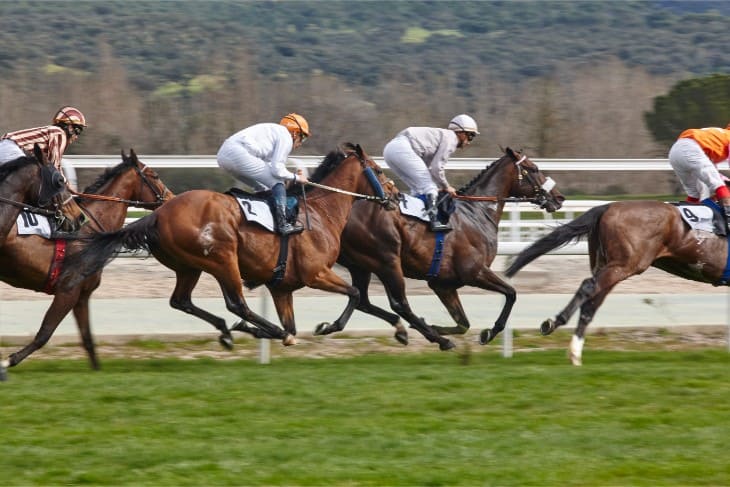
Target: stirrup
[288,229]
[437,226]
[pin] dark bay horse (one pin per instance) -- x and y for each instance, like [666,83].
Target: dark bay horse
[624,239]
[392,246]
[204,231]
[32,261]
[30,182]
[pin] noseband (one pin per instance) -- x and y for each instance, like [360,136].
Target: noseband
[541,191]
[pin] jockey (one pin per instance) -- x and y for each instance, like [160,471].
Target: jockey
[694,158]
[417,155]
[256,156]
[67,125]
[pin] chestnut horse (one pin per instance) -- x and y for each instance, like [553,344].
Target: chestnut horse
[205,231]
[32,261]
[392,246]
[31,180]
[624,239]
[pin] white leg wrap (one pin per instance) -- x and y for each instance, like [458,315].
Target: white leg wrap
[576,350]
[5,364]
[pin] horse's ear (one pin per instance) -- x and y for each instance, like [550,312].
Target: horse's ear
[509,151]
[502,149]
[360,152]
[39,155]
[124,156]
[133,155]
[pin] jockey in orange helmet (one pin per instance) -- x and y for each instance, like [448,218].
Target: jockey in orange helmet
[257,155]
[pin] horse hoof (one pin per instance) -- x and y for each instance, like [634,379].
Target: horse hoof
[4,370]
[485,337]
[575,360]
[226,341]
[446,345]
[547,327]
[240,325]
[401,337]
[321,329]
[289,340]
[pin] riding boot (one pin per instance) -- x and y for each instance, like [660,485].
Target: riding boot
[432,211]
[283,227]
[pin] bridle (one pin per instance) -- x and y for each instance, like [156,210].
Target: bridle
[541,191]
[57,181]
[159,197]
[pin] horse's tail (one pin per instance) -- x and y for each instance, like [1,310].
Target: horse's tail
[100,248]
[563,235]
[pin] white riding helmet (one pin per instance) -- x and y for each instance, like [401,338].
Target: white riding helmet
[463,123]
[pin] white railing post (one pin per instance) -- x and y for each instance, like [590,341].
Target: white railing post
[264,343]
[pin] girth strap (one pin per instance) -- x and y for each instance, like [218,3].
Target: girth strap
[433,270]
[280,268]
[59,254]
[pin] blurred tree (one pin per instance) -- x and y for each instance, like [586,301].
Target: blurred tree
[693,103]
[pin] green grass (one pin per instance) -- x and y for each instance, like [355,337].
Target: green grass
[627,418]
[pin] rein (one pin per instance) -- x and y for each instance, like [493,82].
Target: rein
[342,191]
[115,199]
[31,208]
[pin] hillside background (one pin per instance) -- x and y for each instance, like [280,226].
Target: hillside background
[568,79]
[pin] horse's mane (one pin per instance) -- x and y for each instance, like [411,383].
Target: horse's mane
[331,161]
[484,172]
[12,166]
[109,174]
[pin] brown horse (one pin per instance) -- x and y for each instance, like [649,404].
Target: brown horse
[204,231]
[31,180]
[34,262]
[392,246]
[624,239]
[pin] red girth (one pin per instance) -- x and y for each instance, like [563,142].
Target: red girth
[56,266]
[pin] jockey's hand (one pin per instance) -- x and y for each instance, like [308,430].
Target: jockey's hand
[301,178]
[451,190]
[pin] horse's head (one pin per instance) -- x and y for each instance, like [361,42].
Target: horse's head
[53,194]
[533,184]
[378,184]
[151,188]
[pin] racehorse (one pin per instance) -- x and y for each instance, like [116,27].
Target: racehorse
[205,231]
[392,246]
[29,181]
[624,239]
[34,262]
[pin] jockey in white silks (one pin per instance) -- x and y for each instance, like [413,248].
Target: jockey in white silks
[418,156]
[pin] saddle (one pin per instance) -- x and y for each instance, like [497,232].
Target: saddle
[259,207]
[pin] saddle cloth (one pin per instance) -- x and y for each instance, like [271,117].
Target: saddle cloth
[257,209]
[33,224]
[412,206]
[699,216]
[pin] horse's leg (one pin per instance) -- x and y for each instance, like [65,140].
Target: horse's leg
[486,279]
[60,307]
[284,304]
[361,280]
[605,281]
[328,280]
[181,299]
[584,292]
[81,314]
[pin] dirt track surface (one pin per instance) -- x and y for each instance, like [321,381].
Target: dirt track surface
[133,277]
[136,277]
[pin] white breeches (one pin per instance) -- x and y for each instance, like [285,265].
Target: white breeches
[247,168]
[405,163]
[9,151]
[698,175]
